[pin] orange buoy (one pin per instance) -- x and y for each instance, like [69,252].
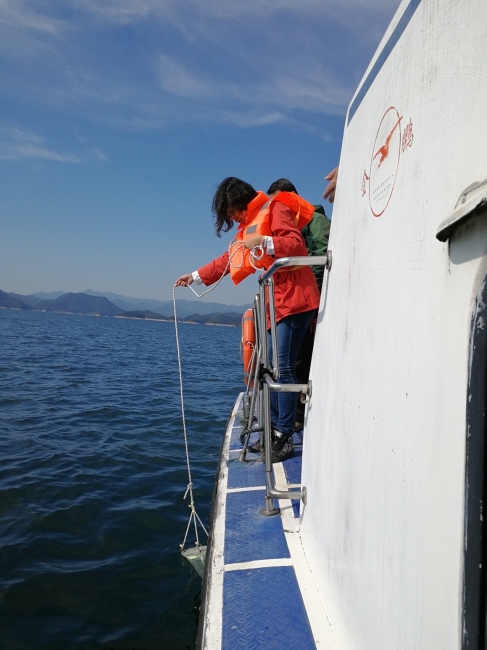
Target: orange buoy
[248,341]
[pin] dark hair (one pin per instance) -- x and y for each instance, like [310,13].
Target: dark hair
[282,185]
[232,194]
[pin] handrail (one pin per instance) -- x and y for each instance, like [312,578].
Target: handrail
[268,382]
[287,388]
[308,260]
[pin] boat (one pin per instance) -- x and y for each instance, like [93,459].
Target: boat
[373,535]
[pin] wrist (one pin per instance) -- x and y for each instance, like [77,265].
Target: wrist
[268,244]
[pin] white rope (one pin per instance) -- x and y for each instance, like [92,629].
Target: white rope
[200,295]
[230,261]
[256,254]
[189,489]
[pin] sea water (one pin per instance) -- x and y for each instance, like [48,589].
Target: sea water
[93,473]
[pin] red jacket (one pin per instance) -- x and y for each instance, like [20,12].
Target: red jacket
[294,291]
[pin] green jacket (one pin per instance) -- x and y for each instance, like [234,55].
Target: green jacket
[316,234]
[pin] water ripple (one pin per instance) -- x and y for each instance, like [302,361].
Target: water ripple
[92,475]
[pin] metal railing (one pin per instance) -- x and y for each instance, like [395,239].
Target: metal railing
[265,379]
[251,399]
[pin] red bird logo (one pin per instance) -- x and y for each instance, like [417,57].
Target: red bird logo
[383,151]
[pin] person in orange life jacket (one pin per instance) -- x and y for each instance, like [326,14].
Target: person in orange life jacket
[316,234]
[295,291]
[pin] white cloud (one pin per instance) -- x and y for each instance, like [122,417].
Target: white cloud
[98,155]
[177,80]
[22,152]
[246,63]
[123,11]
[20,144]
[18,15]
[253,101]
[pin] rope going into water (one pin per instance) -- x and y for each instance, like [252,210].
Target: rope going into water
[194,517]
[189,489]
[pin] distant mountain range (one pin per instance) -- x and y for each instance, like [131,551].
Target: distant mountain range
[91,303]
[12,301]
[185,307]
[230,318]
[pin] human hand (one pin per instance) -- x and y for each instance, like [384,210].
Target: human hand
[185,280]
[254,241]
[329,192]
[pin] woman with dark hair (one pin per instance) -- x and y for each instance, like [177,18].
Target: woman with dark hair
[296,293]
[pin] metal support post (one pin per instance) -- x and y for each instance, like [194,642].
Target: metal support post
[247,416]
[245,435]
[269,509]
[272,320]
[268,383]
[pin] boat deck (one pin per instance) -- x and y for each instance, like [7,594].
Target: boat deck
[259,591]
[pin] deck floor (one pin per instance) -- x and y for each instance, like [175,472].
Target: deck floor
[260,595]
[262,603]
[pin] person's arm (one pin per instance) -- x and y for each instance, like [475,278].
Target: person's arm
[213,271]
[207,274]
[286,237]
[316,235]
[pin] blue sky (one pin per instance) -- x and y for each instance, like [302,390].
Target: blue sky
[119,118]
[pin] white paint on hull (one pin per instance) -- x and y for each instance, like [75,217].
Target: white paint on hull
[384,452]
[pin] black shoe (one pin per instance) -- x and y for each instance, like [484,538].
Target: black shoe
[282,449]
[255,448]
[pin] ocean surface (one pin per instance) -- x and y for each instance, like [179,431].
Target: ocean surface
[93,474]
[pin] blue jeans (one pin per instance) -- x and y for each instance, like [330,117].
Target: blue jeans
[290,334]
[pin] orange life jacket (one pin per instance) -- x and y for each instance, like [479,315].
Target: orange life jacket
[258,223]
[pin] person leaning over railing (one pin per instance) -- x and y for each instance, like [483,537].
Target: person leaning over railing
[296,293]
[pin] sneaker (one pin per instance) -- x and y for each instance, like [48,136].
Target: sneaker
[282,449]
[255,448]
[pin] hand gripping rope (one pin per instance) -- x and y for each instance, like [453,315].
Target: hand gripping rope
[257,253]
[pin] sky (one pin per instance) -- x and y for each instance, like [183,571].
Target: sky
[118,119]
